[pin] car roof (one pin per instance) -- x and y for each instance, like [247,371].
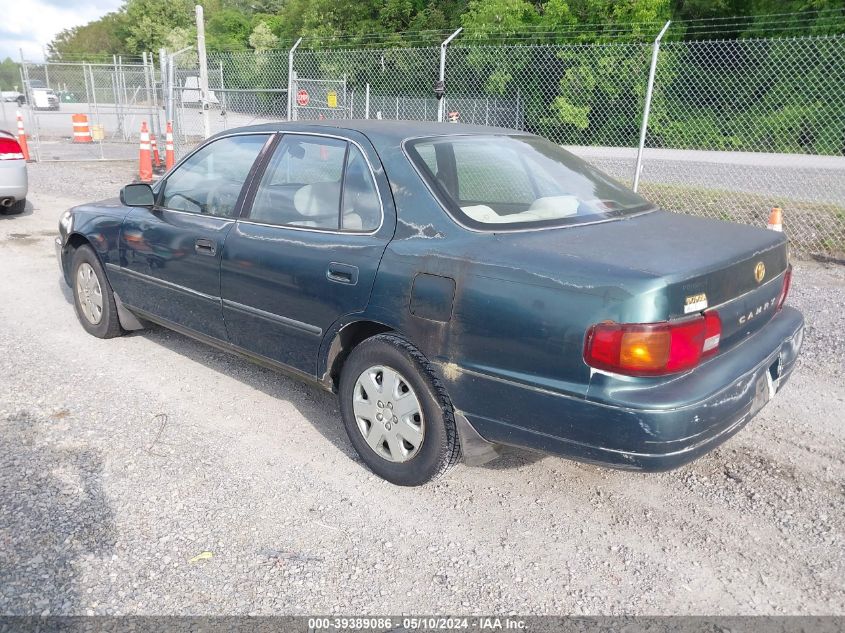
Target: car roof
[380,132]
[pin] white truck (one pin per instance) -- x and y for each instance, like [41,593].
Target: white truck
[43,98]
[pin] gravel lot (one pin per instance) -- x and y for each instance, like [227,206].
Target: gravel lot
[124,461]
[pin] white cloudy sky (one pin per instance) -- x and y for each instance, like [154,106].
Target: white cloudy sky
[31,24]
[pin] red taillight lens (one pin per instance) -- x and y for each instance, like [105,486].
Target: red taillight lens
[787,282]
[712,333]
[10,149]
[652,349]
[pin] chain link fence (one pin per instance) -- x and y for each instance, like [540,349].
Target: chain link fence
[87,111]
[736,127]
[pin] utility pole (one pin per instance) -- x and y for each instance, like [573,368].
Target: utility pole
[206,123]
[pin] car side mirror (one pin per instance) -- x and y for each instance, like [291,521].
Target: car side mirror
[137,194]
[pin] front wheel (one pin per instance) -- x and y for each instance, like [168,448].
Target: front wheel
[396,413]
[92,295]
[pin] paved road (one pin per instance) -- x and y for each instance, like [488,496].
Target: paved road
[780,176]
[124,460]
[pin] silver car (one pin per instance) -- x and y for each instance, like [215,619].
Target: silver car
[13,178]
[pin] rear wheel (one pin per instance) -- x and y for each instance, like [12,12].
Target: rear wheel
[396,413]
[93,298]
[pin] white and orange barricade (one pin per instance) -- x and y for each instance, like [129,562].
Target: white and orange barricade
[169,154]
[81,129]
[22,136]
[145,164]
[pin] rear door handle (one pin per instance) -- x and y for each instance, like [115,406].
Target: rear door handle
[205,247]
[342,273]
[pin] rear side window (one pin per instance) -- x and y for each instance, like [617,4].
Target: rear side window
[495,182]
[318,183]
[479,180]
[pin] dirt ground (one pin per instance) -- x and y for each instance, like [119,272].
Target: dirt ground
[151,474]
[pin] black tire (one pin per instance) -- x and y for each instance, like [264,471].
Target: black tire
[108,325]
[440,448]
[16,208]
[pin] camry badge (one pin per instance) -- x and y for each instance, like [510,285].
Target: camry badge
[759,271]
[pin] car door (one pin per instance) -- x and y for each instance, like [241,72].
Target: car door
[170,253]
[307,248]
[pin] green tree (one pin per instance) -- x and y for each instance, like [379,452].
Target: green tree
[105,36]
[148,22]
[9,74]
[262,38]
[227,29]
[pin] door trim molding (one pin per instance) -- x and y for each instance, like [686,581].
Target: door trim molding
[161,282]
[234,349]
[313,330]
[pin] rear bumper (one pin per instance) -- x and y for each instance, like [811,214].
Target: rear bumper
[14,182]
[645,425]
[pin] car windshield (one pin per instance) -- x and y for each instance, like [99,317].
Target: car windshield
[495,182]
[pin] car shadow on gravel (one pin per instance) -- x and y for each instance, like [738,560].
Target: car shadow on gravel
[27,210]
[316,405]
[55,512]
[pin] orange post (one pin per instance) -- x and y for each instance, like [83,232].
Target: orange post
[145,164]
[81,131]
[22,137]
[776,219]
[169,156]
[154,145]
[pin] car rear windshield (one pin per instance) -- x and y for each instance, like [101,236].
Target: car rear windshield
[510,182]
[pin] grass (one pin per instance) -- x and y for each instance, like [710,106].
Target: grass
[812,227]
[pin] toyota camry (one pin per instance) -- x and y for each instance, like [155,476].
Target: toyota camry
[459,287]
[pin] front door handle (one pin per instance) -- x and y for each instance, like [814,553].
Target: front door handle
[342,273]
[203,246]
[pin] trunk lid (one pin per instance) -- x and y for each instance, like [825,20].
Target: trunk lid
[673,265]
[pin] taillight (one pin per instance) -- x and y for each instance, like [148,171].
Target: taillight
[787,281]
[653,349]
[10,149]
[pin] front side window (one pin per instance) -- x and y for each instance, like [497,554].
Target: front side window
[495,182]
[210,181]
[319,183]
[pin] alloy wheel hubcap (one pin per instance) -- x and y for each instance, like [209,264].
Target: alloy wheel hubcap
[89,294]
[388,414]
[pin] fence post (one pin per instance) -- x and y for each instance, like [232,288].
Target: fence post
[171,76]
[441,106]
[647,106]
[95,104]
[367,101]
[206,123]
[224,108]
[290,78]
[34,133]
[162,72]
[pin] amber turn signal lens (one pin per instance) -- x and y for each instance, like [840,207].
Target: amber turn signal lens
[652,349]
[645,350]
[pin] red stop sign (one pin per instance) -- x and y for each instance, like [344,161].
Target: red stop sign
[302,98]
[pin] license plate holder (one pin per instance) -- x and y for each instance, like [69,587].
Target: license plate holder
[764,390]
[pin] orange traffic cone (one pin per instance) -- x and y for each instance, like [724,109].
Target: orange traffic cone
[169,157]
[22,137]
[154,145]
[145,165]
[81,131]
[776,219]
